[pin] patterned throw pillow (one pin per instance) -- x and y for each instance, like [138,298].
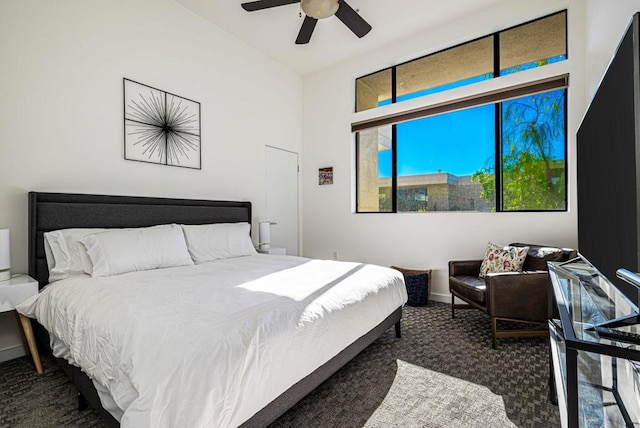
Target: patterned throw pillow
[502,259]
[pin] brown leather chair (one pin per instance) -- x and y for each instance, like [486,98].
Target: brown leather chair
[513,296]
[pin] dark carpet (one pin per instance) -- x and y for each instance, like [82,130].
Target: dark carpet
[442,373]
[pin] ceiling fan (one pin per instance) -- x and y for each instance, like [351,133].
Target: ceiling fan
[314,10]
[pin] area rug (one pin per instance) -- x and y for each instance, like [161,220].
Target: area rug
[421,397]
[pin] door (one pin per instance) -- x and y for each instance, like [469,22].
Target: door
[282,198]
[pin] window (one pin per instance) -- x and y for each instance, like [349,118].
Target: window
[439,154]
[459,66]
[535,44]
[519,48]
[373,90]
[533,152]
[503,150]
[375,170]
[448,161]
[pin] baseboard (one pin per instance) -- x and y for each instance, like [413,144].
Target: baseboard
[11,353]
[437,297]
[444,298]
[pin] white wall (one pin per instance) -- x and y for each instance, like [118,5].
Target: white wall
[61,108]
[423,240]
[606,23]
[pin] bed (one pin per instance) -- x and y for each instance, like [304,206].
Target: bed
[255,391]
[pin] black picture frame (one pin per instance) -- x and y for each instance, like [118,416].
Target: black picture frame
[161,127]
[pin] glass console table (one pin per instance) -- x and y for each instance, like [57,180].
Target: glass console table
[595,377]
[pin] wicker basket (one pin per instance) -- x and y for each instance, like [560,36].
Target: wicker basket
[406,271]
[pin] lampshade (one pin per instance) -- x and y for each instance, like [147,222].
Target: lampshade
[264,232]
[5,255]
[319,8]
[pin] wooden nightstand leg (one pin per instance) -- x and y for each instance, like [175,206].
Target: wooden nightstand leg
[33,348]
[25,345]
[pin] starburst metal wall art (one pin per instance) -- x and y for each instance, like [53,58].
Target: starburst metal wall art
[160,127]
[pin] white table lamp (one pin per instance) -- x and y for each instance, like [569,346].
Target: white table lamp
[5,255]
[264,235]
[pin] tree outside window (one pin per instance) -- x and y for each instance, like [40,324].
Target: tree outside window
[533,157]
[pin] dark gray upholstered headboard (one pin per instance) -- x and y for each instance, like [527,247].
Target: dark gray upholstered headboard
[52,211]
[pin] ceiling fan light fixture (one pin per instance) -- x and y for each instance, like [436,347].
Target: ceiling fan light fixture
[319,9]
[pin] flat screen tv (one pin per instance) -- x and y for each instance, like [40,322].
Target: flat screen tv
[608,167]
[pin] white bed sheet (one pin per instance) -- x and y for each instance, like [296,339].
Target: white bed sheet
[211,344]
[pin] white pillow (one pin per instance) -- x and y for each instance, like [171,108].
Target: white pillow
[208,242]
[127,250]
[64,253]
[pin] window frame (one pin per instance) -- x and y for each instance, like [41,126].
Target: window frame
[496,97]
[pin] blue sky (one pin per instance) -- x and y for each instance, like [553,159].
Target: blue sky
[459,143]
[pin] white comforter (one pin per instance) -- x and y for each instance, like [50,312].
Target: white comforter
[211,344]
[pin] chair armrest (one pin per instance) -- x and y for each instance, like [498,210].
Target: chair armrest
[518,295]
[464,267]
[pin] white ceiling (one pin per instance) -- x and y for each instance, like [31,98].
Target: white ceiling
[273,31]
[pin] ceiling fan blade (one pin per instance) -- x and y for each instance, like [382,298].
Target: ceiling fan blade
[306,30]
[352,20]
[265,4]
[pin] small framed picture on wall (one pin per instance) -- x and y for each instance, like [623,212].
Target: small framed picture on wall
[325,176]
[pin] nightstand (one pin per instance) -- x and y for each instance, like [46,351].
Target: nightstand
[273,250]
[12,292]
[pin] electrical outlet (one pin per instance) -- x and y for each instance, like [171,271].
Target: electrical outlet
[334,255]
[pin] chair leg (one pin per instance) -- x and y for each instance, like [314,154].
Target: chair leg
[494,327]
[453,306]
[83,403]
